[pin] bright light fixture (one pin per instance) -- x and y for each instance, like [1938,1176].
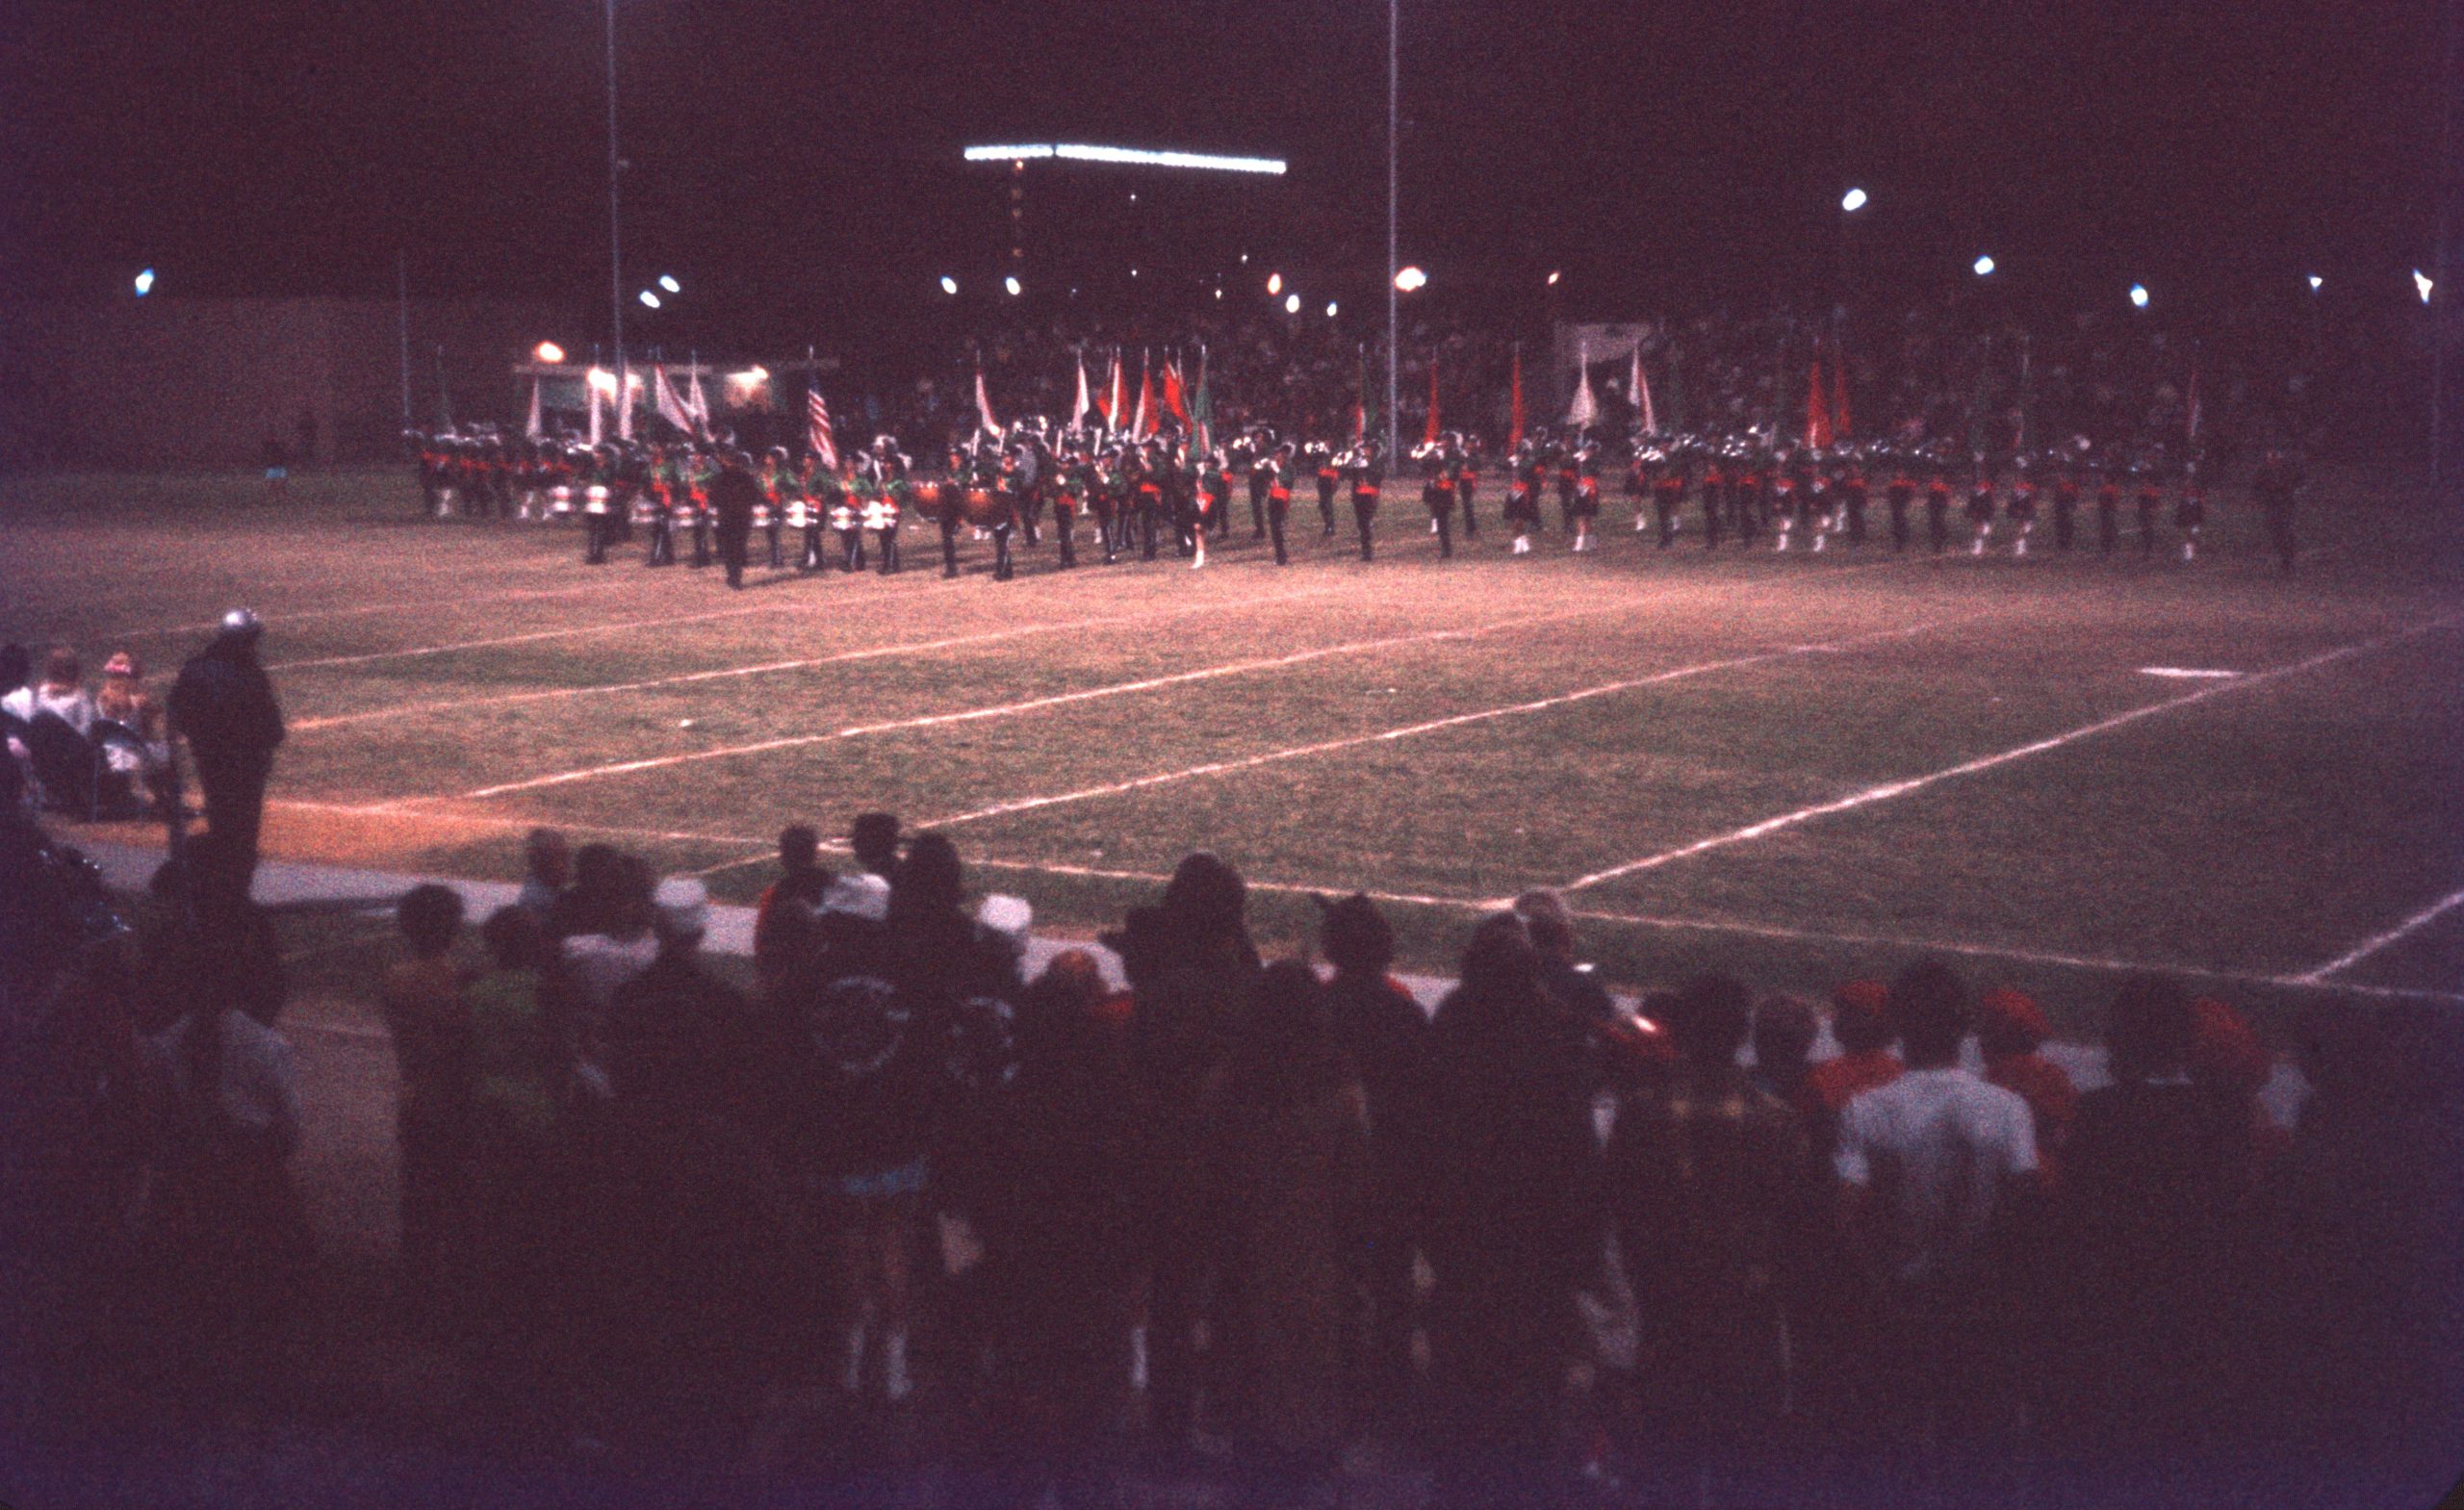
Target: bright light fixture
[2138,295]
[1291,303]
[2315,281]
[650,301]
[1012,284]
[2421,281]
[1411,280]
[1853,200]
[549,352]
[1984,266]
[1330,309]
[949,285]
[667,281]
[1554,275]
[1274,283]
[600,378]
[1141,157]
[146,282]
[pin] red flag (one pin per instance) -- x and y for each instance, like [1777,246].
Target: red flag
[1173,394]
[1839,397]
[1148,421]
[1818,413]
[1515,438]
[819,437]
[1428,433]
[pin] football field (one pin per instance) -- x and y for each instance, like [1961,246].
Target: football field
[1796,767]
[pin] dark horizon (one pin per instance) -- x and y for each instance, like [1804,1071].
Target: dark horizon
[792,168]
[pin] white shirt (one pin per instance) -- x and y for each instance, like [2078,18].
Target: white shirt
[74,707]
[1936,1146]
[259,1084]
[601,964]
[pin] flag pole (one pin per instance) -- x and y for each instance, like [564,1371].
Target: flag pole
[1394,95]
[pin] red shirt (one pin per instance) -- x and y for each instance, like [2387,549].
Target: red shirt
[1830,1084]
[2052,1100]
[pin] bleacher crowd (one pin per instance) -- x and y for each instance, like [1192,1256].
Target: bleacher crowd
[1236,1217]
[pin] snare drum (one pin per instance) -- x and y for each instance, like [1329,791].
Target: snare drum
[560,501]
[842,516]
[800,514]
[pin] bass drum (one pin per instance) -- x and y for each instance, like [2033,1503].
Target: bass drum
[980,508]
[928,496]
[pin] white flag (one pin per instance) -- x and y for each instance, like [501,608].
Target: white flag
[531,426]
[699,407]
[1585,409]
[1078,414]
[592,390]
[1640,391]
[984,405]
[631,395]
[674,410]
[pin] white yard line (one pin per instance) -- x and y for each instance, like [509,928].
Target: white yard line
[2371,946]
[1887,790]
[1406,732]
[1923,946]
[867,652]
[397,605]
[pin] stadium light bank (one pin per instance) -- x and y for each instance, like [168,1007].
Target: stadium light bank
[1080,152]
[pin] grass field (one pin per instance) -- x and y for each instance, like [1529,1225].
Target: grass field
[1799,768]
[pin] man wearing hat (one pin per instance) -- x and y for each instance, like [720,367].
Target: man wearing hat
[223,704]
[734,494]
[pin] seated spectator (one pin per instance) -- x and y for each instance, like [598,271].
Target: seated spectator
[59,730]
[874,838]
[1290,1152]
[123,700]
[1784,1028]
[1386,1034]
[423,1010]
[2010,1034]
[547,864]
[624,945]
[1709,1177]
[1553,933]
[600,875]
[2228,1062]
[801,880]
[1861,1023]
[1936,1164]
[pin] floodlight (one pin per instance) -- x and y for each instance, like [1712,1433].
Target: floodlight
[2315,281]
[1330,309]
[2421,281]
[949,285]
[1012,284]
[1274,284]
[1853,200]
[650,301]
[1984,266]
[604,380]
[1411,280]
[2138,295]
[667,281]
[549,352]
[146,282]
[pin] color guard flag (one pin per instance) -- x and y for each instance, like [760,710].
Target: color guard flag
[819,437]
[1148,420]
[531,426]
[983,403]
[1818,413]
[1639,390]
[1078,410]
[1585,411]
[698,404]
[1172,393]
[671,408]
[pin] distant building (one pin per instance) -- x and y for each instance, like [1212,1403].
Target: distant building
[172,382]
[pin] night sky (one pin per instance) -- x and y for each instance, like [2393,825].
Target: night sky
[791,158]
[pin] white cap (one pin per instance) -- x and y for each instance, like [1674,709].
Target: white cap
[242,623]
[862,894]
[683,907]
[1007,916]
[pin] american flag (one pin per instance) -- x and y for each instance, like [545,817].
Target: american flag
[819,436]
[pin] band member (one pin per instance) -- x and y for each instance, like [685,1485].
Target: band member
[2066,505]
[1854,495]
[777,484]
[1107,493]
[806,510]
[2107,509]
[1980,508]
[1898,495]
[1640,461]
[734,494]
[1437,493]
[1279,463]
[1583,511]
[1787,500]
[431,465]
[2190,512]
[1321,459]
[1522,496]
[1068,499]
[1146,496]
[1366,473]
[598,501]
[1467,483]
[1668,495]
[660,498]
[967,481]
[2273,485]
[2021,507]
[700,471]
[1005,495]
[847,519]
[1257,452]
[1937,507]
[885,494]
[1715,491]
[1746,498]
[2149,494]
[1560,456]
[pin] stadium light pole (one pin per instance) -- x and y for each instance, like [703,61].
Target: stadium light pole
[1394,96]
[615,226]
